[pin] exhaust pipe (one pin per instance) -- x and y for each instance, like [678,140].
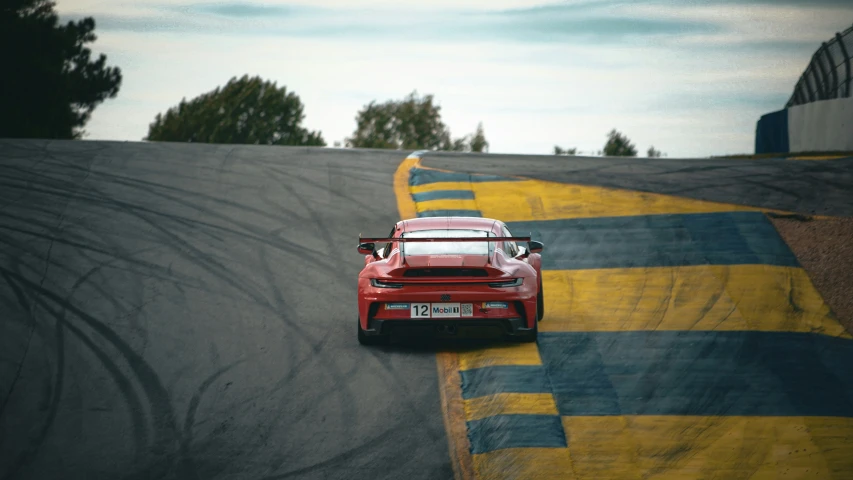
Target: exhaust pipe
[448,329]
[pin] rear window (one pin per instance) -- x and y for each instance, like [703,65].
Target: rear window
[447,248]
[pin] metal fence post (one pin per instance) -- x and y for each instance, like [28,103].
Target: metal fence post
[823,78]
[832,91]
[840,40]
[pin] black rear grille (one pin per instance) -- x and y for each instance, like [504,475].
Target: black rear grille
[446,272]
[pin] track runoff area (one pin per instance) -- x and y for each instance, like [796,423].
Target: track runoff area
[681,339]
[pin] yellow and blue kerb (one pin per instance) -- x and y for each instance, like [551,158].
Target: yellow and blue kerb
[681,339]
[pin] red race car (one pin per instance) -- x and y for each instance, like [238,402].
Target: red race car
[449,277]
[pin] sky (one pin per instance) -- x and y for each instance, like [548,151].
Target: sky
[690,77]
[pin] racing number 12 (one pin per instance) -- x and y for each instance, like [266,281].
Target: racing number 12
[420,310]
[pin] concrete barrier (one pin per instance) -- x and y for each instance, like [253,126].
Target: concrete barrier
[822,126]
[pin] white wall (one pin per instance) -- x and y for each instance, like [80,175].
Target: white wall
[822,126]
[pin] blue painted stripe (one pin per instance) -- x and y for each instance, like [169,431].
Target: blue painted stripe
[421,176]
[515,431]
[693,373]
[479,382]
[443,195]
[730,238]
[450,213]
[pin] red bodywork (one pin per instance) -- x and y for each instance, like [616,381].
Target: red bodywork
[405,278]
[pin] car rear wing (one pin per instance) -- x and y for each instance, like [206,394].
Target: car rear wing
[443,239]
[367,245]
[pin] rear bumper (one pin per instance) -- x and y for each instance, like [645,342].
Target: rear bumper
[449,327]
[370,298]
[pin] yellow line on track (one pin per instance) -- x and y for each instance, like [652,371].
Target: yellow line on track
[704,297]
[452,407]
[512,354]
[405,205]
[690,447]
[510,404]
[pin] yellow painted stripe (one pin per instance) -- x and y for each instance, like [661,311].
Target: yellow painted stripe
[540,200]
[433,187]
[820,157]
[450,391]
[689,447]
[706,297]
[524,463]
[510,404]
[447,205]
[405,204]
[520,354]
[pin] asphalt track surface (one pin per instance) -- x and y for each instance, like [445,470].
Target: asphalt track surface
[805,187]
[189,311]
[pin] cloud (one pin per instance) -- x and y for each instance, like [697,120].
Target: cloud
[587,21]
[243,10]
[690,77]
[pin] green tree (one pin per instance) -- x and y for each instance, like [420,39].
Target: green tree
[247,110]
[618,145]
[653,153]
[479,143]
[50,84]
[413,123]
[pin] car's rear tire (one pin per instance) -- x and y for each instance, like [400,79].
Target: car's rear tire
[540,302]
[365,339]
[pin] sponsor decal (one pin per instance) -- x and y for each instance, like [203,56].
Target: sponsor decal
[444,310]
[396,306]
[495,305]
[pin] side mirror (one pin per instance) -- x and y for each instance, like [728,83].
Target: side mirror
[535,247]
[366,248]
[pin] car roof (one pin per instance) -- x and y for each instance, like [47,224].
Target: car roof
[431,223]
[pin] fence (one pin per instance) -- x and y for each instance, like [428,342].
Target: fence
[829,74]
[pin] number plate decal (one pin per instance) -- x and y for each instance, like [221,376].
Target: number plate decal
[420,310]
[441,310]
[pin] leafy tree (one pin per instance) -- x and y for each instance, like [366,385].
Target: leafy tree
[50,84]
[568,151]
[413,123]
[248,110]
[652,153]
[618,145]
[479,142]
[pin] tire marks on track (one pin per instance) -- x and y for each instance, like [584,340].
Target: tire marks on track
[171,280]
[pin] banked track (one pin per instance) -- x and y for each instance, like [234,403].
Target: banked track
[177,311]
[187,311]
